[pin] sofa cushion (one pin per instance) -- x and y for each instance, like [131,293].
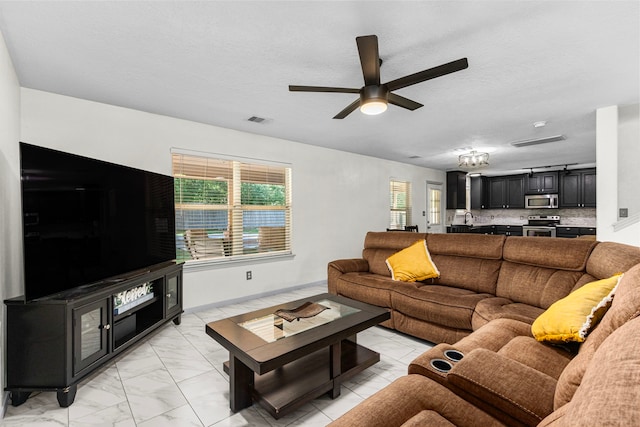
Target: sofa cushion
[625,306]
[445,305]
[609,258]
[572,317]
[366,287]
[407,397]
[428,418]
[430,331]
[610,389]
[534,285]
[563,254]
[380,245]
[412,263]
[520,391]
[490,309]
[474,274]
[466,245]
[548,359]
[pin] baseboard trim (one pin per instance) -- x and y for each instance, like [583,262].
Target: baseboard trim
[5,404]
[250,297]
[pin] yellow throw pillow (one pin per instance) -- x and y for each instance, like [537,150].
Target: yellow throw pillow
[412,263]
[571,318]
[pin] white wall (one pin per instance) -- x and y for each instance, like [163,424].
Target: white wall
[337,196]
[628,155]
[10,212]
[608,150]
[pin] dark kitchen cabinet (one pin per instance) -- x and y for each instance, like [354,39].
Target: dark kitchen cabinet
[574,231]
[509,230]
[565,231]
[541,183]
[456,190]
[578,189]
[478,192]
[485,229]
[55,342]
[506,192]
[587,231]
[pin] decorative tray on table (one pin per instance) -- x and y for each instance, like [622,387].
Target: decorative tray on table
[308,309]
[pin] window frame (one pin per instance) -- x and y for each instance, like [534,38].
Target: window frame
[241,171]
[397,187]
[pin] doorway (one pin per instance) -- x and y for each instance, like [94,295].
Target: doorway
[434,212]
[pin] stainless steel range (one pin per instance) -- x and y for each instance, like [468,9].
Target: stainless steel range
[541,225]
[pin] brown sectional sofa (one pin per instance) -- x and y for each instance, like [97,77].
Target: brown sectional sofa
[490,290]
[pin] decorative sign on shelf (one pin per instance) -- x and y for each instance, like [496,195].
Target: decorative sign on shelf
[133,297]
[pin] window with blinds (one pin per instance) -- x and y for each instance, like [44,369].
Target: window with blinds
[400,204]
[227,208]
[435,206]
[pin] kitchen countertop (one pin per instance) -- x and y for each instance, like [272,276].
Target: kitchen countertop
[483,225]
[520,224]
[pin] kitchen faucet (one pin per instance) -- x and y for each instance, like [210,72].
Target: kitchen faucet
[465,217]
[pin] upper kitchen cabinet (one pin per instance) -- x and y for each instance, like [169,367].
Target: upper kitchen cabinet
[478,192]
[506,192]
[541,183]
[578,189]
[456,190]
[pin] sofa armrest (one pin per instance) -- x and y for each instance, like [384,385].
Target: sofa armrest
[342,266]
[509,386]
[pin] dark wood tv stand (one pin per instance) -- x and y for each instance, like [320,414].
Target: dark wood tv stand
[56,341]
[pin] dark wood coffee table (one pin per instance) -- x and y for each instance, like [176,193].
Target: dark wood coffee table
[283,365]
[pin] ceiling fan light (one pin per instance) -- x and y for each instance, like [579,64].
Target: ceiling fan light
[373,107]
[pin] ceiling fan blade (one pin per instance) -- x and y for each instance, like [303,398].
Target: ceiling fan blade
[344,113]
[431,73]
[293,88]
[369,59]
[403,102]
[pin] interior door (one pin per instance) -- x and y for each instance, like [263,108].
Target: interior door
[434,211]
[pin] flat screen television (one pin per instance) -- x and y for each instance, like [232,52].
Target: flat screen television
[87,221]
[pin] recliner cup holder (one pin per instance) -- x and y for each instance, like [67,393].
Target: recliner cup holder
[454,355]
[441,365]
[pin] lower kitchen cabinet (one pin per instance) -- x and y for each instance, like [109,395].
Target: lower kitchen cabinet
[509,230]
[574,231]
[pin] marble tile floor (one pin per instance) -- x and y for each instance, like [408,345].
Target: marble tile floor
[175,378]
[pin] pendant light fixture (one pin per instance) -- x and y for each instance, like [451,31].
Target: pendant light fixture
[473,159]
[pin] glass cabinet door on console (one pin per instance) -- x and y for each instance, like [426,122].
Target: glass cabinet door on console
[91,331]
[173,305]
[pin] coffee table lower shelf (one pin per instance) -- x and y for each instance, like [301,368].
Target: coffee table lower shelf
[285,389]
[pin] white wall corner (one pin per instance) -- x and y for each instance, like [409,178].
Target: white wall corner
[607,167]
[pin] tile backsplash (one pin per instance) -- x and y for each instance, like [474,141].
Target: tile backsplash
[584,217]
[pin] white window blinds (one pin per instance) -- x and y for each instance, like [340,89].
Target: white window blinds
[228,208]
[400,204]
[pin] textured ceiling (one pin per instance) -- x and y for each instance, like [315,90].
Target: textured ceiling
[222,62]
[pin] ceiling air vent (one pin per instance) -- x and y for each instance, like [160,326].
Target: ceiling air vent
[537,141]
[256,119]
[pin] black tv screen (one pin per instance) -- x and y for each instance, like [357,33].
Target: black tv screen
[87,220]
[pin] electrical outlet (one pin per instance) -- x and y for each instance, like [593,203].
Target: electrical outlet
[624,213]
[249,276]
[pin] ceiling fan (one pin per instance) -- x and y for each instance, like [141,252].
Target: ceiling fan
[374,96]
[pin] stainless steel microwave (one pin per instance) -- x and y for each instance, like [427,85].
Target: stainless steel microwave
[541,201]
